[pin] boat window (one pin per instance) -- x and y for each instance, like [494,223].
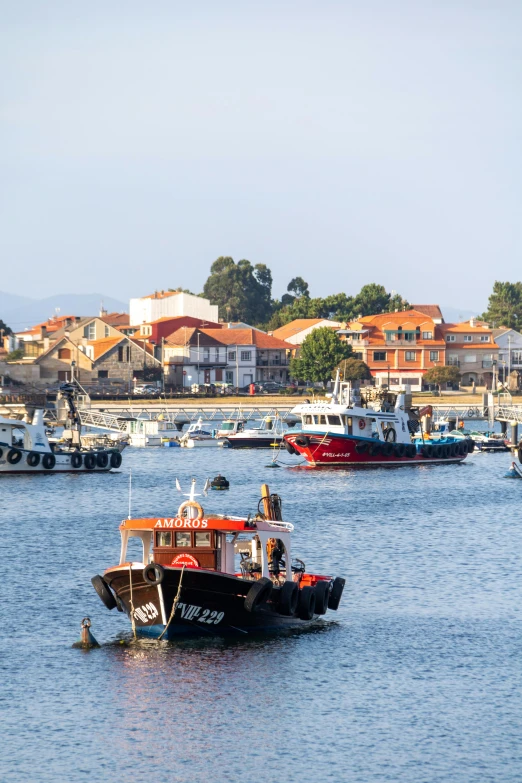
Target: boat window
[307,419]
[320,419]
[335,420]
[227,426]
[202,538]
[163,538]
[183,539]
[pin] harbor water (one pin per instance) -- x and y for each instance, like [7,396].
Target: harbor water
[417,678]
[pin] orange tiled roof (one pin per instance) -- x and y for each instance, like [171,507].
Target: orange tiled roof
[105,344]
[248,337]
[433,311]
[160,294]
[116,319]
[294,327]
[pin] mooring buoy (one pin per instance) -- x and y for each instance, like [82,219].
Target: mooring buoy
[86,640]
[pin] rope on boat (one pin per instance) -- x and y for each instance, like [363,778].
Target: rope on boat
[133,621]
[174,606]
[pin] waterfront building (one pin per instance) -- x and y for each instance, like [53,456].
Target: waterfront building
[296,331]
[509,343]
[471,347]
[162,304]
[398,347]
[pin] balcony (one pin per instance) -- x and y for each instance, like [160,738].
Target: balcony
[399,343]
[271,363]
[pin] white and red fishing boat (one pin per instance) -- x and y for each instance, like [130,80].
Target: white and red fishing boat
[206,573]
[368,427]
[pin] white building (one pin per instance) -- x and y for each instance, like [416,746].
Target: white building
[162,304]
[509,344]
[296,331]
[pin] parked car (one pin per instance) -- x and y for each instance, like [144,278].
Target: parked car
[271,387]
[147,390]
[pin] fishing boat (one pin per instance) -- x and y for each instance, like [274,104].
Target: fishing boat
[26,448]
[265,436]
[369,427]
[211,574]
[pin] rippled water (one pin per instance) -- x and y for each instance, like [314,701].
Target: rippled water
[416,678]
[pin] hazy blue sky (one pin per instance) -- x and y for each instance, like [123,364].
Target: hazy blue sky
[347,142]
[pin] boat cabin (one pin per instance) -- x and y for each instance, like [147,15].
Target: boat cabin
[22,435]
[240,547]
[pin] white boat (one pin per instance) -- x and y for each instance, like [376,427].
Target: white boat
[25,448]
[150,432]
[197,436]
[265,436]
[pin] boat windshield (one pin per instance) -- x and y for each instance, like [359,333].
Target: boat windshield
[227,426]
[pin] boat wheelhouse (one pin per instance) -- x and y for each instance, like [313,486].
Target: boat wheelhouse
[209,573]
[368,427]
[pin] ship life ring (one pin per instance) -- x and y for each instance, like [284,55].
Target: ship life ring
[116,459]
[49,461]
[76,460]
[362,424]
[185,560]
[190,504]
[33,459]
[361,447]
[102,459]
[90,461]
[14,456]
[153,574]
[302,441]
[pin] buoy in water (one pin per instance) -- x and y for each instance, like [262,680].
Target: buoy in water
[220,482]
[513,472]
[86,640]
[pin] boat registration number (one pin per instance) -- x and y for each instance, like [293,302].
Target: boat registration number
[199,615]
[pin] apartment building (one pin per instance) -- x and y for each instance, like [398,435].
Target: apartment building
[170,304]
[471,347]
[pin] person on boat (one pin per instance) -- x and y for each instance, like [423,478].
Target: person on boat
[275,551]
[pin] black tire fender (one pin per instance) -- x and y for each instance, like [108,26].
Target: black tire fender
[76,460]
[399,449]
[153,574]
[102,459]
[260,592]
[105,593]
[322,596]
[303,441]
[375,449]
[387,448]
[361,447]
[14,456]
[471,445]
[90,460]
[519,454]
[288,598]
[49,461]
[33,459]
[116,459]
[290,448]
[411,450]
[306,606]
[336,593]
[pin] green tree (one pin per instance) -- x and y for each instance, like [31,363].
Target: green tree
[353,369]
[4,329]
[298,287]
[440,375]
[241,291]
[505,305]
[373,299]
[320,352]
[15,356]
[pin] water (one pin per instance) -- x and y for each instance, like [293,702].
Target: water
[416,678]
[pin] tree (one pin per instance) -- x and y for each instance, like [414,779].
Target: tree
[353,369]
[4,329]
[373,299]
[440,375]
[241,291]
[320,352]
[15,356]
[298,287]
[505,305]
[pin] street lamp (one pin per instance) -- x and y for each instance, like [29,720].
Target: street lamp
[388,367]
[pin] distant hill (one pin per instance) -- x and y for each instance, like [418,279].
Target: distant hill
[454,315]
[20,312]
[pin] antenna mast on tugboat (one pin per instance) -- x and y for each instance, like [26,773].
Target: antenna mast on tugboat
[130,493]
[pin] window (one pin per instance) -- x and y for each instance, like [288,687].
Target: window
[320,419]
[450,338]
[206,354]
[409,356]
[484,338]
[410,381]
[89,331]
[103,373]
[334,420]
[246,356]
[307,419]
[516,357]
[128,353]
[202,539]
[183,539]
[146,331]
[163,538]
[357,355]
[470,358]
[427,335]
[64,353]
[434,356]
[379,356]
[468,338]
[231,356]
[120,353]
[106,331]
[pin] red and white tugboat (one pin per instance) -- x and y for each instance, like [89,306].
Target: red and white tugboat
[368,427]
[212,574]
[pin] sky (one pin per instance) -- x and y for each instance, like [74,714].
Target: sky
[345,142]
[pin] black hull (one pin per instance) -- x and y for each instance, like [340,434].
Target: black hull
[252,443]
[210,603]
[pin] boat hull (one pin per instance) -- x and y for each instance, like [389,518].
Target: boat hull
[210,603]
[251,443]
[63,464]
[327,449]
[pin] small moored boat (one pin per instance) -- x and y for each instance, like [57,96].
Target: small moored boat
[205,573]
